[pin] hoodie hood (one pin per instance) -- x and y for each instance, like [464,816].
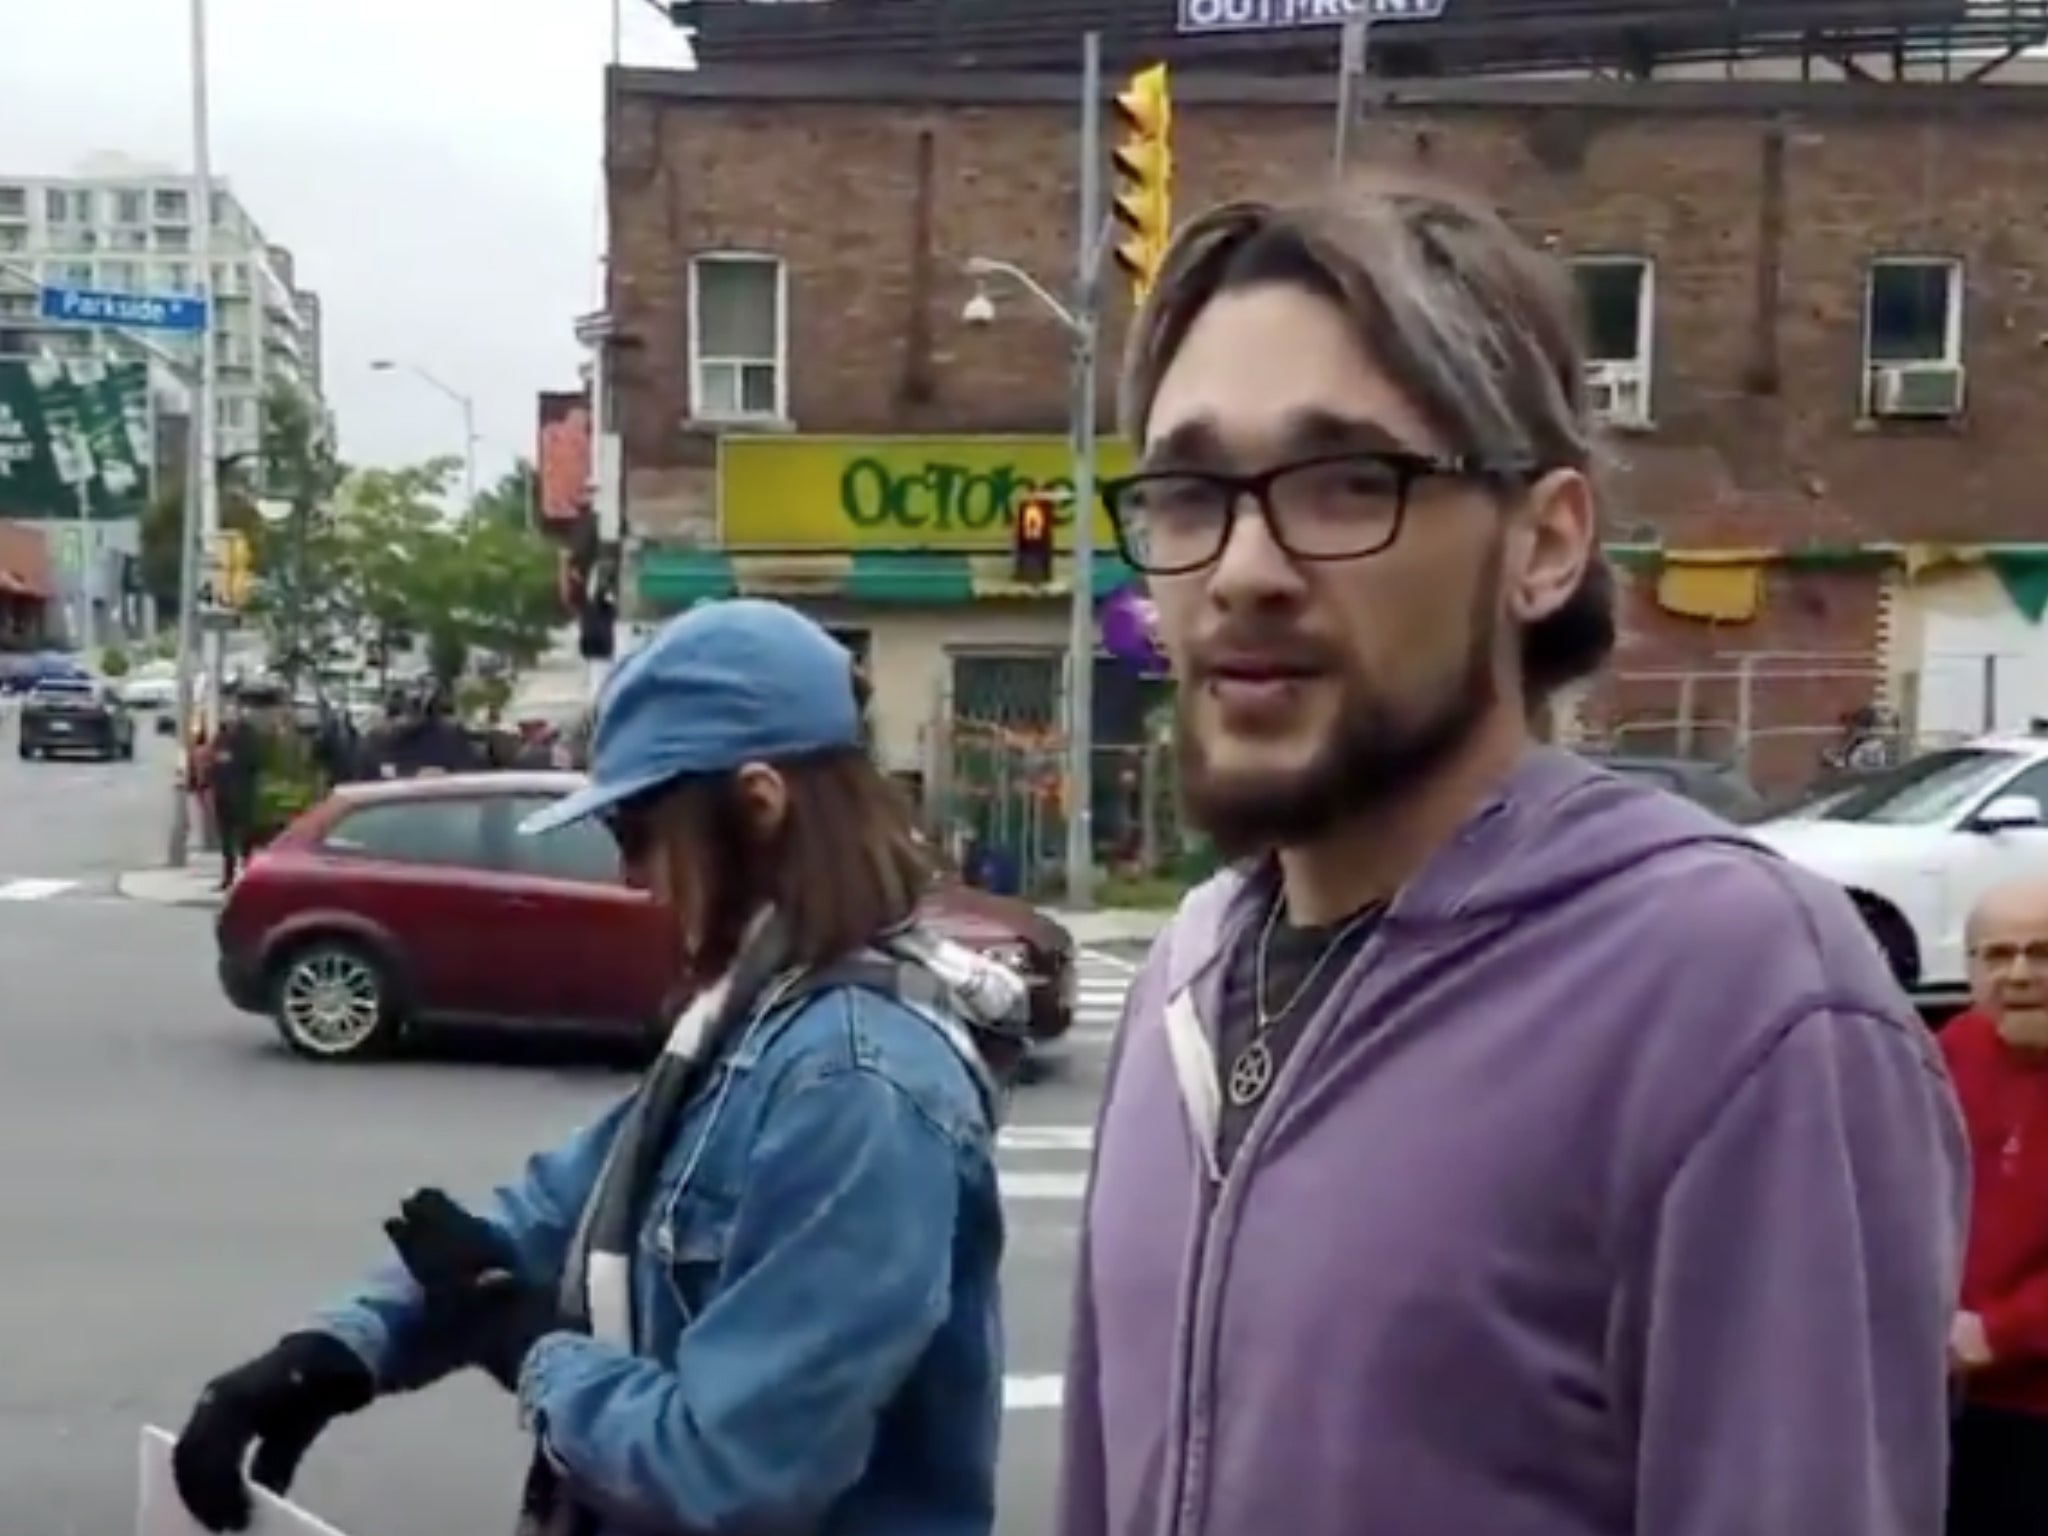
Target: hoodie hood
[1556,825]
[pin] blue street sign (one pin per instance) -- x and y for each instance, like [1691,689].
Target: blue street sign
[1209,16]
[130,311]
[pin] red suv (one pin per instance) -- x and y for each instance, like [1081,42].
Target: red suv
[416,901]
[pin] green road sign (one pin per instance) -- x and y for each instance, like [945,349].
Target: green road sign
[72,422]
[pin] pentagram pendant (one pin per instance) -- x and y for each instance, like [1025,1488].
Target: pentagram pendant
[1251,1074]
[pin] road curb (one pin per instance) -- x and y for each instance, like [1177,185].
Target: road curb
[170,888]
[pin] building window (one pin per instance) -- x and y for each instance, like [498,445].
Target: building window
[128,208]
[13,203]
[13,237]
[1913,338]
[738,337]
[1618,307]
[56,206]
[128,240]
[119,275]
[173,239]
[170,205]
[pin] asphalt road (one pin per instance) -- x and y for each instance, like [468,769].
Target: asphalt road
[178,1192]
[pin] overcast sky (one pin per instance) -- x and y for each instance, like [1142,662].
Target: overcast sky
[433,164]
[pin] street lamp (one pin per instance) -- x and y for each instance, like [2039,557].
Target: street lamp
[1081,319]
[468,408]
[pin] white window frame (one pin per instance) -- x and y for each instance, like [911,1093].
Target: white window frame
[1952,328]
[698,361]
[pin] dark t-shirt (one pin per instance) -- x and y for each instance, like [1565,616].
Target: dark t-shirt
[1295,988]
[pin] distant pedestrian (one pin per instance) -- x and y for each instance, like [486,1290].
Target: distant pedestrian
[1499,1148]
[1998,1054]
[234,776]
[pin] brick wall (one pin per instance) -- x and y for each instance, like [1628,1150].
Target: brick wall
[1759,203]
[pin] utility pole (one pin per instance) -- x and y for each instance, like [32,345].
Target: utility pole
[1087,309]
[1354,50]
[204,530]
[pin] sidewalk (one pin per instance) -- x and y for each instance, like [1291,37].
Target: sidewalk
[197,885]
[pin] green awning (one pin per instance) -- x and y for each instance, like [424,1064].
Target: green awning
[937,580]
[669,579]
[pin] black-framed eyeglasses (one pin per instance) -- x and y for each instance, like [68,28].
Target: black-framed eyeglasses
[1334,506]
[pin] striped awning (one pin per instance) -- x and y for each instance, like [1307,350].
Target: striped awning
[670,579]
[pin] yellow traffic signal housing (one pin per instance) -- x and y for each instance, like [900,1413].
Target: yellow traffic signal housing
[1143,161]
[1032,555]
[236,573]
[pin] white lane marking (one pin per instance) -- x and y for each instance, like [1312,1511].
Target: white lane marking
[1046,1138]
[1028,1394]
[33,890]
[1065,1187]
[1114,962]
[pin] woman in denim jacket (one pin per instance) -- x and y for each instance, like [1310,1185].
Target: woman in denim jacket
[761,1293]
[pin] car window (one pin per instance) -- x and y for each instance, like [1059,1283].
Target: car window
[2034,783]
[581,851]
[1925,790]
[439,831]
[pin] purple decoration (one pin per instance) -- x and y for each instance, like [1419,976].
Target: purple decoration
[1130,630]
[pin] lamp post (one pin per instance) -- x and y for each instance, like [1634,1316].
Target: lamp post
[1082,320]
[468,409]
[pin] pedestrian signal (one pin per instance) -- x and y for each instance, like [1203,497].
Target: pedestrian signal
[1034,536]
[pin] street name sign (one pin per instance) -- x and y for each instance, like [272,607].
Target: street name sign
[1198,17]
[129,311]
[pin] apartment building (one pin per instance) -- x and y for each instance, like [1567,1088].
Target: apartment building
[130,228]
[1816,312]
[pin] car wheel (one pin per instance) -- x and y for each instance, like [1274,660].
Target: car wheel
[332,1000]
[1894,936]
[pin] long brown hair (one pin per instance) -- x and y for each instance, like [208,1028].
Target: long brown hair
[845,866]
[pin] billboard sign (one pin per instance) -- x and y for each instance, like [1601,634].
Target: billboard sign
[561,457]
[1198,17]
[74,430]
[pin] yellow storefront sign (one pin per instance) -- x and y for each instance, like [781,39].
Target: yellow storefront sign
[894,493]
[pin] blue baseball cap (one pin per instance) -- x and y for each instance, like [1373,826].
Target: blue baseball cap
[726,684]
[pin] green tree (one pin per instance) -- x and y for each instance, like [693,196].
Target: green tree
[466,587]
[511,501]
[284,497]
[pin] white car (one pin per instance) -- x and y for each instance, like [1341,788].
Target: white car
[1917,845]
[153,685]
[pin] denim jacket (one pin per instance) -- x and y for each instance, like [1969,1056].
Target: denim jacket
[816,1285]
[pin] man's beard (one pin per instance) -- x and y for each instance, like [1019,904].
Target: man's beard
[1376,752]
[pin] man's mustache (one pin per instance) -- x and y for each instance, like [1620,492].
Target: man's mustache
[1264,648]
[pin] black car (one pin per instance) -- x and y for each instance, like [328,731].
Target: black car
[75,716]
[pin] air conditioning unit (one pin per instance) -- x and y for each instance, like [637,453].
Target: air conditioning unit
[1928,391]
[1619,393]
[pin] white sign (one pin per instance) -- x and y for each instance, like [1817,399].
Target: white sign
[160,1512]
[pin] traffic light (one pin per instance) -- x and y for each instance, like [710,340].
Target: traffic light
[1143,159]
[1034,533]
[234,571]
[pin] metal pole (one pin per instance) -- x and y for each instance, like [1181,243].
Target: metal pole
[88,626]
[204,440]
[201,513]
[1352,53]
[468,454]
[188,638]
[1081,606]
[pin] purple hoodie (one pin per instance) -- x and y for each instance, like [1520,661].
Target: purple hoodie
[1616,1191]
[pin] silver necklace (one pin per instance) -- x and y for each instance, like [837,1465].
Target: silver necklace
[1252,1070]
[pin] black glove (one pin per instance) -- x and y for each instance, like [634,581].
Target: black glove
[469,1275]
[278,1403]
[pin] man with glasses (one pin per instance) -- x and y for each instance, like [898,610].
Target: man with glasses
[1499,1146]
[1998,1055]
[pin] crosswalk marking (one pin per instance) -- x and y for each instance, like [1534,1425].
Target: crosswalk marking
[34,890]
[1100,984]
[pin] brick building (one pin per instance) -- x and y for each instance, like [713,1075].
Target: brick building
[1820,313]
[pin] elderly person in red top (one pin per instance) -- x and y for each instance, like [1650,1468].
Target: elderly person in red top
[1998,1055]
